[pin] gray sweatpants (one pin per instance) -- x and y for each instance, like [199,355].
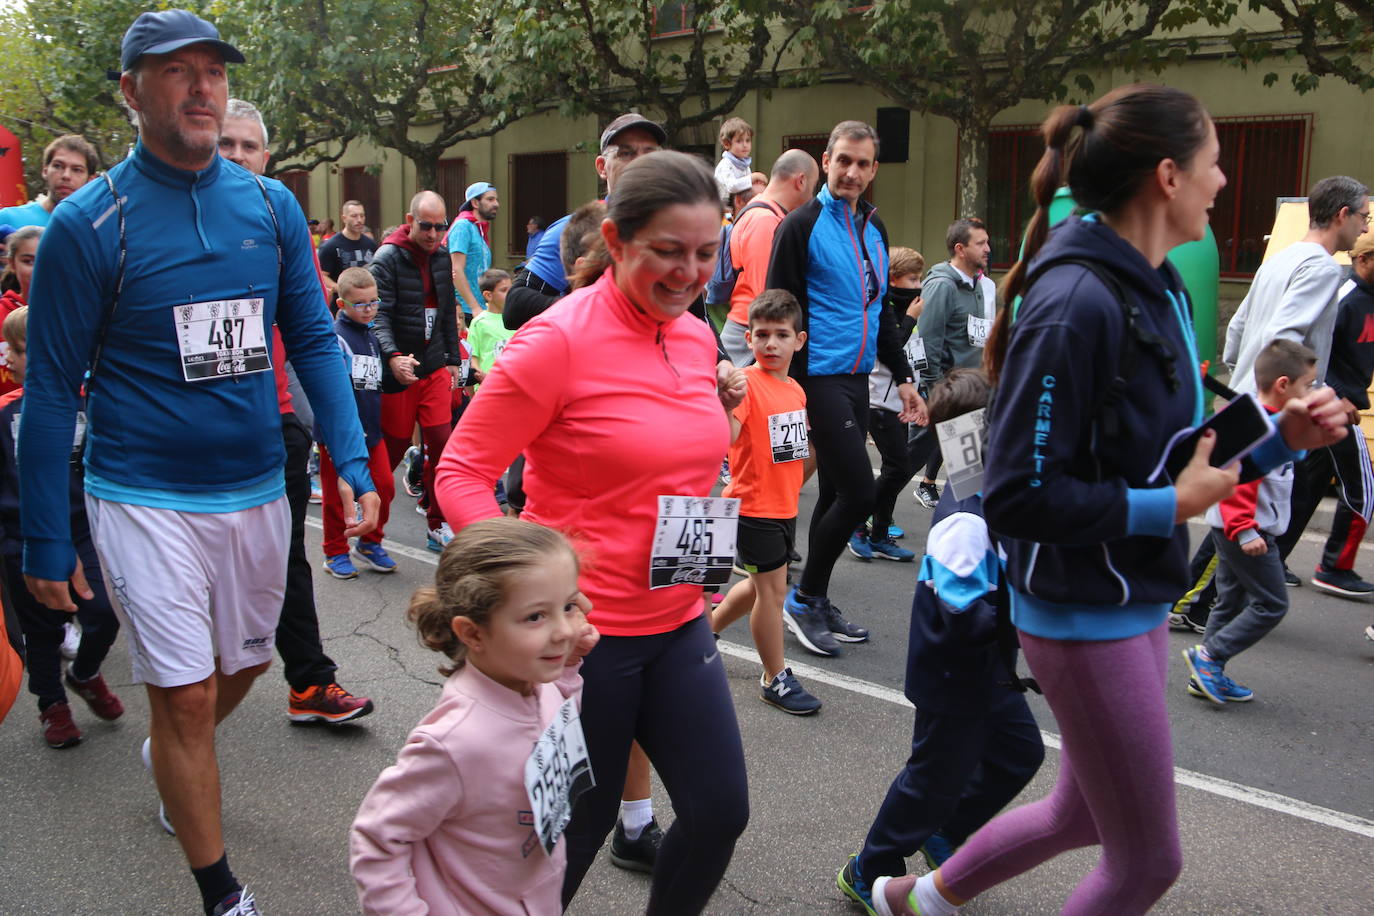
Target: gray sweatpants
[1251,597]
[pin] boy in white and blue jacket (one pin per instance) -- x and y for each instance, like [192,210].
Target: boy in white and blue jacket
[975,744]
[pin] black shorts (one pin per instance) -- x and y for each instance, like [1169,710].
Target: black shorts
[764,544]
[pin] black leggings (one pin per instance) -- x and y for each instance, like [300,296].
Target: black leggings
[669,692]
[890,436]
[837,406]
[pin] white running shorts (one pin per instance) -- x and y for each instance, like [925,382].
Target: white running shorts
[193,587]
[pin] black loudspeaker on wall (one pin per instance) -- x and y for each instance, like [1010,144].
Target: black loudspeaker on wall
[894,134]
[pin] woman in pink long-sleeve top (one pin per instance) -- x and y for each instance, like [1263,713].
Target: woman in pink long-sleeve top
[615,398]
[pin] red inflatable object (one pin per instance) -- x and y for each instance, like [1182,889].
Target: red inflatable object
[12,189]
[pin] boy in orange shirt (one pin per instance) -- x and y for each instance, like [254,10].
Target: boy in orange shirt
[769,452]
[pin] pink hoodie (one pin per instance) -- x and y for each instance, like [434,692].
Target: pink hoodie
[446,830]
[612,410]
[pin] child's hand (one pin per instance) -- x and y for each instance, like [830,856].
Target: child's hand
[587,635]
[731,384]
[1199,485]
[1256,548]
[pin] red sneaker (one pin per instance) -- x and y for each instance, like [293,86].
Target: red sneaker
[97,695]
[58,728]
[330,704]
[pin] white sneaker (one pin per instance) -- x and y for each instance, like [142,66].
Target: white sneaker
[439,537]
[71,639]
[245,906]
[147,754]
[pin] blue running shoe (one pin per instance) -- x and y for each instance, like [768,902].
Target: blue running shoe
[1230,690]
[805,617]
[1207,675]
[840,628]
[858,545]
[340,566]
[887,549]
[316,494]
[375,556]
[894,532]
[936,850]
[853,886]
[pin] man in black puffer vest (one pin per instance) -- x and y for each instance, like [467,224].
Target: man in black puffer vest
[417,327]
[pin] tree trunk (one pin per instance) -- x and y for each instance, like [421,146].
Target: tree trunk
[426,171]
[973,166]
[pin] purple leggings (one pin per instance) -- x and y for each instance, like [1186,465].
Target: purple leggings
[1116,780]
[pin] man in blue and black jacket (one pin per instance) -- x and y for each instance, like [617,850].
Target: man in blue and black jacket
[831,253]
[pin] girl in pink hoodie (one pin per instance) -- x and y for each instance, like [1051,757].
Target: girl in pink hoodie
[470,818]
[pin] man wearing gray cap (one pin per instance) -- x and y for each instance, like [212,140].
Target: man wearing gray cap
[174,269]
[625,139]
[469,244]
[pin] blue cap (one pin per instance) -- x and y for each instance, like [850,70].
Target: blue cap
[477,189]
[169,30]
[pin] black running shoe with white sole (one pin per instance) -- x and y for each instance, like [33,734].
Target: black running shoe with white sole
[1342,582]
[805,617]
[840,628]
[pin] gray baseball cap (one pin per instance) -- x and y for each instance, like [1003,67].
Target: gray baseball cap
[625,122]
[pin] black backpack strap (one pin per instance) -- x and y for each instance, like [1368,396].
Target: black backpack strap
[276,226]
[110,306]
[1007,642]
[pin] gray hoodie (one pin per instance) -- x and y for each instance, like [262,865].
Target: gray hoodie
[951,340]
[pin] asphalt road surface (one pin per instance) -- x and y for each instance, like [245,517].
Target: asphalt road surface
[1275,797]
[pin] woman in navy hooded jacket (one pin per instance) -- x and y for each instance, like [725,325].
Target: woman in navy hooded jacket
[1096,548]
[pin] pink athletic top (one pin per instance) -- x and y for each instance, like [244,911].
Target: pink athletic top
[612,410]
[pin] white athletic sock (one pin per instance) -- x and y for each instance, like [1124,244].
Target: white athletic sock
[930,900]
[635,816]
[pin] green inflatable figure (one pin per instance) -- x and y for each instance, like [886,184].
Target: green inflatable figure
[1197,262]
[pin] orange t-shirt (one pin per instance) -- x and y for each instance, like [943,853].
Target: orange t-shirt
[766,460]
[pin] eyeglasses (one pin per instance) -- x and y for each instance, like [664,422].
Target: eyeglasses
[631,152]
[370,304]
[429,227]
[1363,215]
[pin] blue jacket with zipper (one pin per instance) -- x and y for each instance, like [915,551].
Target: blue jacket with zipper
[192,237]
[834,260]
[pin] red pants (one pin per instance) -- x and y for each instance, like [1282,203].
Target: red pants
[379,466]
[427,401]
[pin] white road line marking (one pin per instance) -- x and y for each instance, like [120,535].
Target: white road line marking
[1235,791]
[1215,785]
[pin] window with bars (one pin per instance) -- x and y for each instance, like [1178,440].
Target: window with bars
[1264,158]
[1012,155]
[539,187]
[450,182]
[673,18]
[366,188]
[297,181]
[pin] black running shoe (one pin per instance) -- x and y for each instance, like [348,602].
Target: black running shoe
[638,854]
[1343,582]
[806,618]
[1291,580]
[840,628]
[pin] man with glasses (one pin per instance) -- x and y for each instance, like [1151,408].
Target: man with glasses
[1293,296]
[315,696]
[417,327]
[625,139]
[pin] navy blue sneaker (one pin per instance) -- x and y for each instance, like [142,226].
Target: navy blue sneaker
[806,618]
[858,545]
[787,693]
[936,850]
[887,549]
[853,885]
[840,628]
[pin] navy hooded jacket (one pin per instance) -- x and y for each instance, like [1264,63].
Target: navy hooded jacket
[1093,551]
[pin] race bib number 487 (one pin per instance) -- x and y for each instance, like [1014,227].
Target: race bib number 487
[221,338]
[694,541]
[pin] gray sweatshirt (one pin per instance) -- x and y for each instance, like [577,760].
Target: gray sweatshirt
[951,339]
[1293,297]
